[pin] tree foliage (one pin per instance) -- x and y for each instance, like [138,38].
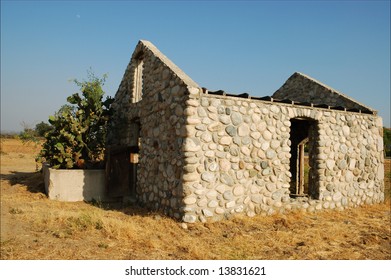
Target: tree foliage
[387,141]
[42,128]
[77,139]
[28,134]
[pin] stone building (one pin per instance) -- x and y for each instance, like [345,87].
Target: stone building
[199,155]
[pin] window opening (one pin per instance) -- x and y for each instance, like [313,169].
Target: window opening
[138,78]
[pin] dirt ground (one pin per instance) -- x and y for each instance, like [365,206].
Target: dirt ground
[34,227]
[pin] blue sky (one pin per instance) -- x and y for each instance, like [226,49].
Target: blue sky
[238,46]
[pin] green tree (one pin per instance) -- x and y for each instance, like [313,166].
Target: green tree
[28,134]
[77,139]
[387,141]
[41,128]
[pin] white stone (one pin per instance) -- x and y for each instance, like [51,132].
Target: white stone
[267,135]
[210,153]
[224,119]
[201,112]
[345,130]
[255,135]
[191,145]
[211,194]
[265,146]
[206,137]
[236,118]
[190,177]
[352,164]
[202,202]
[271,187]
[275,144]
[245,150]
[190,200]
[243,130]
[215,126]
[349,176]
[193,90]
[337,196]
[256,198]
[274,109]
[318,206]
[255,118]
[380,146]
[230,204]
[189,218]
[330,164]
[225,165]
[207,213]
[213,116]
[220,189]
[238,191]
[207,176]
[213,166]
[193,121]
[270,154]
[322,156]
[380,172]
[261,126]
[212,109]
[225,140]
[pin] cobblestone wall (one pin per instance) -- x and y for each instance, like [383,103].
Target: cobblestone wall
[302,88]
[238,154]
[206,157]
[159,115]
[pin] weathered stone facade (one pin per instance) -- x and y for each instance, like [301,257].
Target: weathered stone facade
[204,156]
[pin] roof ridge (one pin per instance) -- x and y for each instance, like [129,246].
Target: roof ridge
[165,60]
[325,87]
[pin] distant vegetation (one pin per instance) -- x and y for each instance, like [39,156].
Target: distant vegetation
[29,133]
[34,134]
[387,141]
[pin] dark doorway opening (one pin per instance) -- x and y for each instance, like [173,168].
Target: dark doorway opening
[122,165]
[121,171]
[303,137]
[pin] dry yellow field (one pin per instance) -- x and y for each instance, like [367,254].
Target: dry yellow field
[34,227]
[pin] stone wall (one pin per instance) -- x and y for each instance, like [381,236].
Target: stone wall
[159,115]
[238,152]
[206,157]
[302,88]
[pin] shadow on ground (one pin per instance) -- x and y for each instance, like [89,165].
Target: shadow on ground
[32,180]
[35,184]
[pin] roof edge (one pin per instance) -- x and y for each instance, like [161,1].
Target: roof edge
[179,72]
[325,87]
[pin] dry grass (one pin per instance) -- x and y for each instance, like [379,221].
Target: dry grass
[33,227]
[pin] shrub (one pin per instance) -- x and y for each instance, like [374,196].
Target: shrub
[77,139]
[42,128]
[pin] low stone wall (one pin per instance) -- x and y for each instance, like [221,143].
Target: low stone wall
[74,185]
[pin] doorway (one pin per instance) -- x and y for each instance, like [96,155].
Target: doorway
[121,172]
[122,164]
[303,137]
